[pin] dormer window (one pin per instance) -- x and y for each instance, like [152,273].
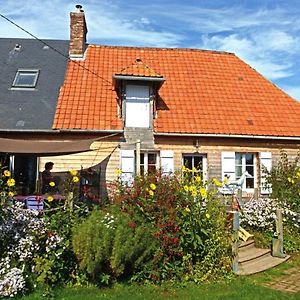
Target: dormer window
[25,78]
[137,86]
[137,109]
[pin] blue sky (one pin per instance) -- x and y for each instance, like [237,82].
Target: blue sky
[265,34]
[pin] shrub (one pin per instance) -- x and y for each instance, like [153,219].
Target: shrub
[187,219]
[109,244]
[285,181]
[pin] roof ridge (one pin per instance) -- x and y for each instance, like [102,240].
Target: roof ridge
[161,49]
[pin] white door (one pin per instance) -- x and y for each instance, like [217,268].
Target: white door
[137,106]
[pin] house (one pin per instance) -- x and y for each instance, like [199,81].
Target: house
[162,108]
[32,73]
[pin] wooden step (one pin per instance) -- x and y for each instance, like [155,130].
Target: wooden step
[248,244]
[260,264]
[247,254]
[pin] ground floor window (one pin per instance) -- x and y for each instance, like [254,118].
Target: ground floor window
[245,162]
[196,162]
[148,162]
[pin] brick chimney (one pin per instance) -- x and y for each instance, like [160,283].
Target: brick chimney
[78,31]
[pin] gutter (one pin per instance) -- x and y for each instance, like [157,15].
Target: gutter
[227,136]
[57,131]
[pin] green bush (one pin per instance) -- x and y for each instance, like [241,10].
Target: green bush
[285,181]
[188,220]
[108,244]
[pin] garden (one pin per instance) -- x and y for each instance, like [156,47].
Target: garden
[158,231]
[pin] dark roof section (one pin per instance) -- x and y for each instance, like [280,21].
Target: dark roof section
[30,108]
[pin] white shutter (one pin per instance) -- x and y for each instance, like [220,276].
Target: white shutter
[127,165]
[266,161]
[167,162]
[228,165]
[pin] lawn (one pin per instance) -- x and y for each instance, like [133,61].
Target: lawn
[240,288]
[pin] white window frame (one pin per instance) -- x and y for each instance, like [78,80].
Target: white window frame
[204,162]
[244,188]
[145,164]
[20,72]
[139,100]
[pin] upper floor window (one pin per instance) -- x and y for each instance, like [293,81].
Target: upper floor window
[26,78]
[137,108]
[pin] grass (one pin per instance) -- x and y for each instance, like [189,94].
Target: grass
[240,288]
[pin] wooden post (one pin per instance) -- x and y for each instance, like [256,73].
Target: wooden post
[235,241]
[138,158]
[277,242]
[255,194]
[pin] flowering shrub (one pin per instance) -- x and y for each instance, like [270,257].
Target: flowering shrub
[7,186]
[260,215]
[21,236]
[188,223]
[285,181]
[109,244]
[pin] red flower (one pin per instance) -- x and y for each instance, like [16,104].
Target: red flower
[131,225]
[175,240]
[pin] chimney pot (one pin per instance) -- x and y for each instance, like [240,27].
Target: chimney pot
[78,31]
[78,8]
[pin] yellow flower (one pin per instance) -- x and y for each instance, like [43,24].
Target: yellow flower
[75,179]
[186,188]
[203,192]
[226,180]
[50,198]
[198,179]
[73,172]
[291,180]
[6,173]
[118,172]
[11,182]
[187,210]
[153,186]
[207,215]
[52,183]
[195,170]
[192,188]
[151,193]
[298,174]
[183,169]
[217,182]
[194,193]
[11,194]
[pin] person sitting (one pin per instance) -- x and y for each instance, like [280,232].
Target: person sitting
[47,178]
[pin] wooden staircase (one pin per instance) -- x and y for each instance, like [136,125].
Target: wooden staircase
[253,260]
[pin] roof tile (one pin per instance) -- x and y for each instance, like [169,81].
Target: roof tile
[205,92]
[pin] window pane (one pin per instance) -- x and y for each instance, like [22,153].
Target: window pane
[142,158]
[249,159]
[198,162]
[238,159]
[25,78]
[250,170]
[142,169]
[238,171]
[187,161]
[249,183]
[151,159]
[151,169]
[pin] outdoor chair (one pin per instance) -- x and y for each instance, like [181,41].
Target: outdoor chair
[34,202]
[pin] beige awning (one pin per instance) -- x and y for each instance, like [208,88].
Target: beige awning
[42,146]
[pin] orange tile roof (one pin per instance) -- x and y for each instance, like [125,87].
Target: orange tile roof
[138,68]
[205,92]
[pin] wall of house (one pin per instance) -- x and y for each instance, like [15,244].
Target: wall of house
[103,159]
[106,155]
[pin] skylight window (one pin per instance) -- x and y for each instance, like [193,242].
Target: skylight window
[26,78]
